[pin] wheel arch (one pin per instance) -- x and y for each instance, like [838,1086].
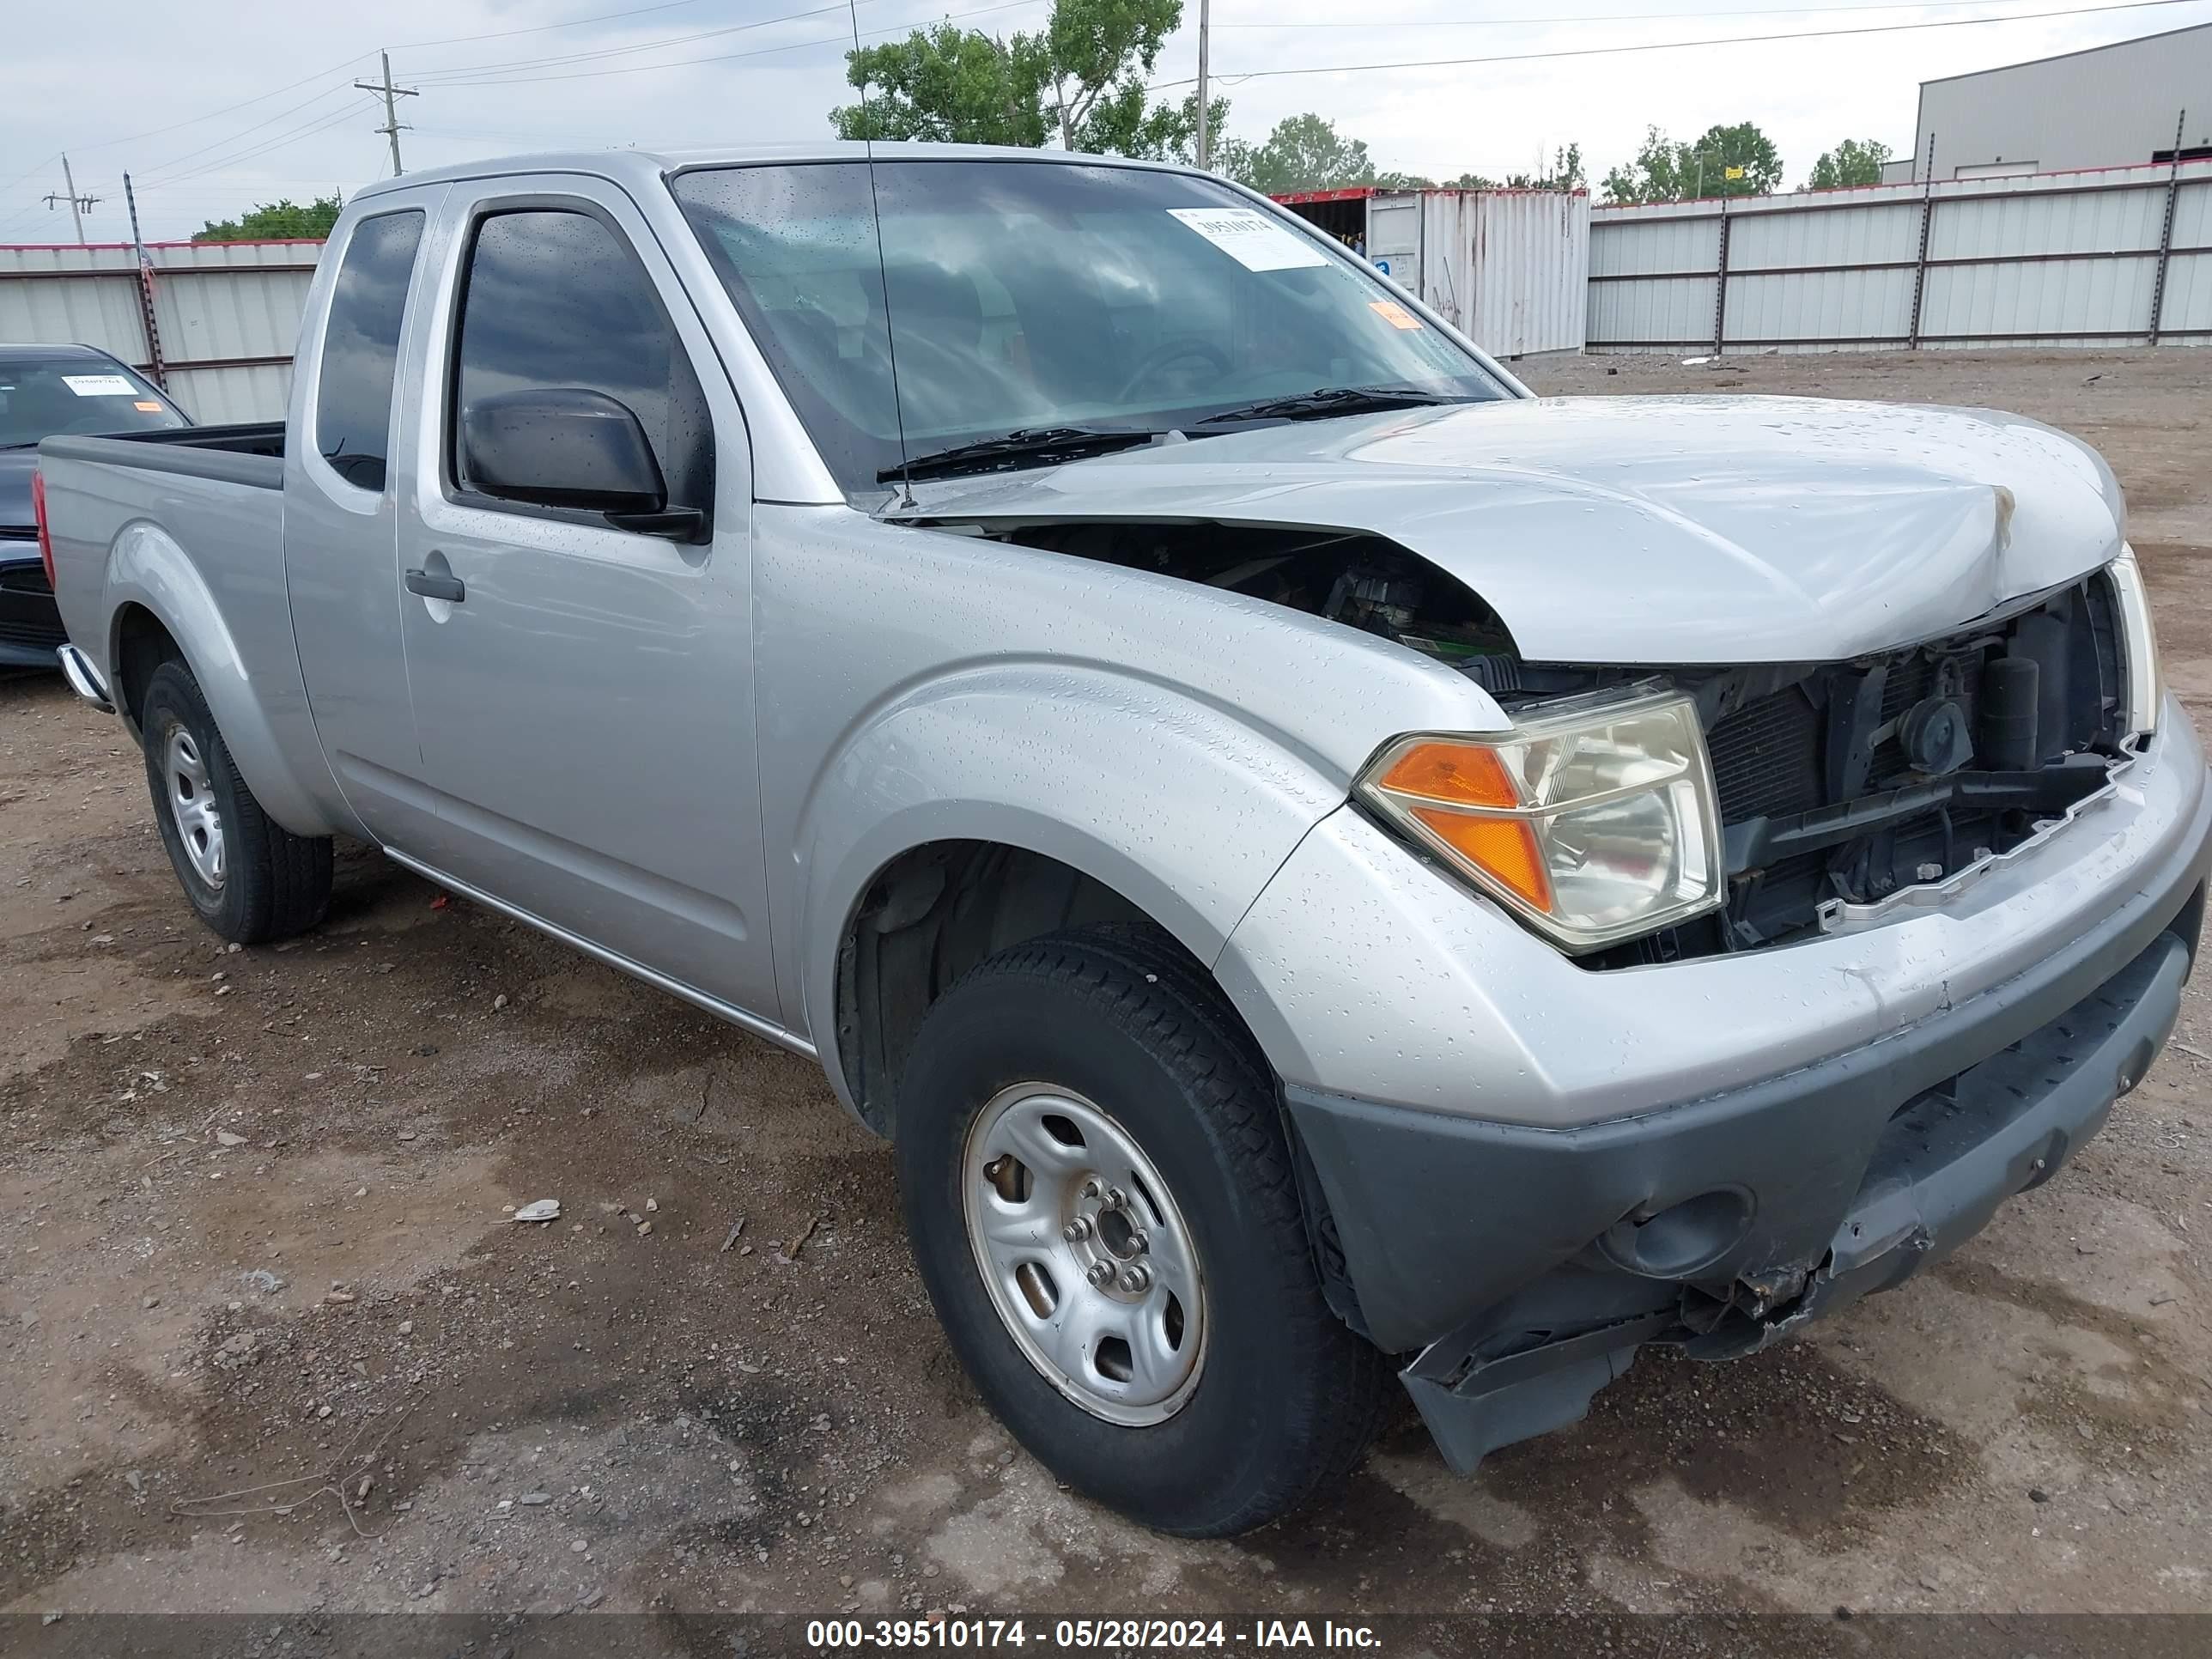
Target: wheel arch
[935,910]
[162,609]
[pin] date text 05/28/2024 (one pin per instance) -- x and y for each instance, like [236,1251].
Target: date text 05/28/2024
[829,1635]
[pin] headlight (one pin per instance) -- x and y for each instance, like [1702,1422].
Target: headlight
[2146,683]
[1593,824]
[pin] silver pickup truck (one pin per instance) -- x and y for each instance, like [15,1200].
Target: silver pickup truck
[1324,864]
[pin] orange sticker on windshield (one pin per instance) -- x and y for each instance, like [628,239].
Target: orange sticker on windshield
[145,408]
[1393,314]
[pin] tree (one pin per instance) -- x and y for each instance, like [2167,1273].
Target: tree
[1665,171]
[1125,123]
[1854,161]
[1089,46]
[950,86]
[274,221]
[1566,173]
[1304,152]
[1081,81]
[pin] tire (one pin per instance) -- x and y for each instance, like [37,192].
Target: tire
[1273,1400]
[251,879]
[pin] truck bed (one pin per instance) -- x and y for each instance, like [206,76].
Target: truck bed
[251,453]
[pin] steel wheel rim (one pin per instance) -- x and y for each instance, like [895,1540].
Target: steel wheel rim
[192,806]
[1086,1257]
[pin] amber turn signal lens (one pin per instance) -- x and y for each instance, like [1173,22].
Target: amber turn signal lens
[1506,847]
[1454,772]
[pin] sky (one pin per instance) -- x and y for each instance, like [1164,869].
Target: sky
[215,106]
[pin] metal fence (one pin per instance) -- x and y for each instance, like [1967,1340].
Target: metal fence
[2106,257]
[213,322]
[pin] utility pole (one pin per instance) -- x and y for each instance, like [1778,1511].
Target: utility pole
[1205,20]
[392,126]
[78,205]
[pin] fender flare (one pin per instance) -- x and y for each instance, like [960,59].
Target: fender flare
[1068,762]
[147,569]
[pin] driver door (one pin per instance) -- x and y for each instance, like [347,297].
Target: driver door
[583,694]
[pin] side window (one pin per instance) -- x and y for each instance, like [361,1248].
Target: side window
[360,348]
[556,299]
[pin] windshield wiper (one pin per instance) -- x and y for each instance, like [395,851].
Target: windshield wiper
[1011,449]
[1328,401]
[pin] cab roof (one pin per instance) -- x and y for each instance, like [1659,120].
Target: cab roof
[634,166]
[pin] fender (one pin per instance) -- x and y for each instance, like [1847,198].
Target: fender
[256,695]
[1184,807]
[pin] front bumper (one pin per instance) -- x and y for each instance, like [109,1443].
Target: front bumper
[30,623]
[1523,1264]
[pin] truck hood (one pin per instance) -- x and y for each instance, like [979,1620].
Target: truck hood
[1644,530]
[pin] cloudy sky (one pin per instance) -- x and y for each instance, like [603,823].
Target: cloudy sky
[219,104]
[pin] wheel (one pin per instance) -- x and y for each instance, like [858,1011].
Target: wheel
[1102,1206]
[251,879]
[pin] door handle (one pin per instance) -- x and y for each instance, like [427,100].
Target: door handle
[451,589]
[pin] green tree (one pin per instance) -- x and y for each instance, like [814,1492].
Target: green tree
[949,85]
[1304,152]
[1666,171]
[1092,48]
[1565,172]
[274,221]
[1854,161]
[1082,81]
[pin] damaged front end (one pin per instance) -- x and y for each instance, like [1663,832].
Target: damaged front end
[1809,1200]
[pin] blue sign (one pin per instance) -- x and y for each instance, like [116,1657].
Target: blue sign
[1382,265]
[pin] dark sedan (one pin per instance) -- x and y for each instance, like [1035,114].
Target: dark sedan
[45,390]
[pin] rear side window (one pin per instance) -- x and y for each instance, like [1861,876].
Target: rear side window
[556,298]
[360,348]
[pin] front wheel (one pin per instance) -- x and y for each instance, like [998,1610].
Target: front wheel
[1103,1208]
[250,878]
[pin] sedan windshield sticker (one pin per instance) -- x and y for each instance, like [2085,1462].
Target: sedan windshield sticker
[1250,238]
[1393,314]
[100,386]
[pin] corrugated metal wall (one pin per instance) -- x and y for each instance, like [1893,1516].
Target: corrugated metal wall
[2045,259]
[1508,266]
[225,314]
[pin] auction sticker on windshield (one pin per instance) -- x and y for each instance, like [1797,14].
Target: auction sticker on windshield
[100,386]
[1248,237]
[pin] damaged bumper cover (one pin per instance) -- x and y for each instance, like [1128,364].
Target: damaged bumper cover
[1717,1226]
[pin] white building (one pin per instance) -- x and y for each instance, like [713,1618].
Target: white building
[2111,105]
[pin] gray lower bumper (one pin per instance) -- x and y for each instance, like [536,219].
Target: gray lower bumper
[1526,1266]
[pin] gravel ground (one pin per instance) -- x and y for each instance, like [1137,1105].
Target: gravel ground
[252,1207]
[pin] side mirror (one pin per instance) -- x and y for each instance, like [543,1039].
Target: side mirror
[570,448]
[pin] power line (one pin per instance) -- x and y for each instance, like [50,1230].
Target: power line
[228,139]
[757,51]
[155,132]
[542,29]
[309,129]
[451,70]
[1676,45]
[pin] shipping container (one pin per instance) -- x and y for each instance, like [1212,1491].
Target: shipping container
[1510,268]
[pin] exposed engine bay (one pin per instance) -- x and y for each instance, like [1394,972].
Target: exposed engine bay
[1840,784]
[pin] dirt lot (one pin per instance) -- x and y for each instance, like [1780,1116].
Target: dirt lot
[252,1210]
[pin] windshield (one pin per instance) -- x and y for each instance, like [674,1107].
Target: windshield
[1026,296]
[44,397]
